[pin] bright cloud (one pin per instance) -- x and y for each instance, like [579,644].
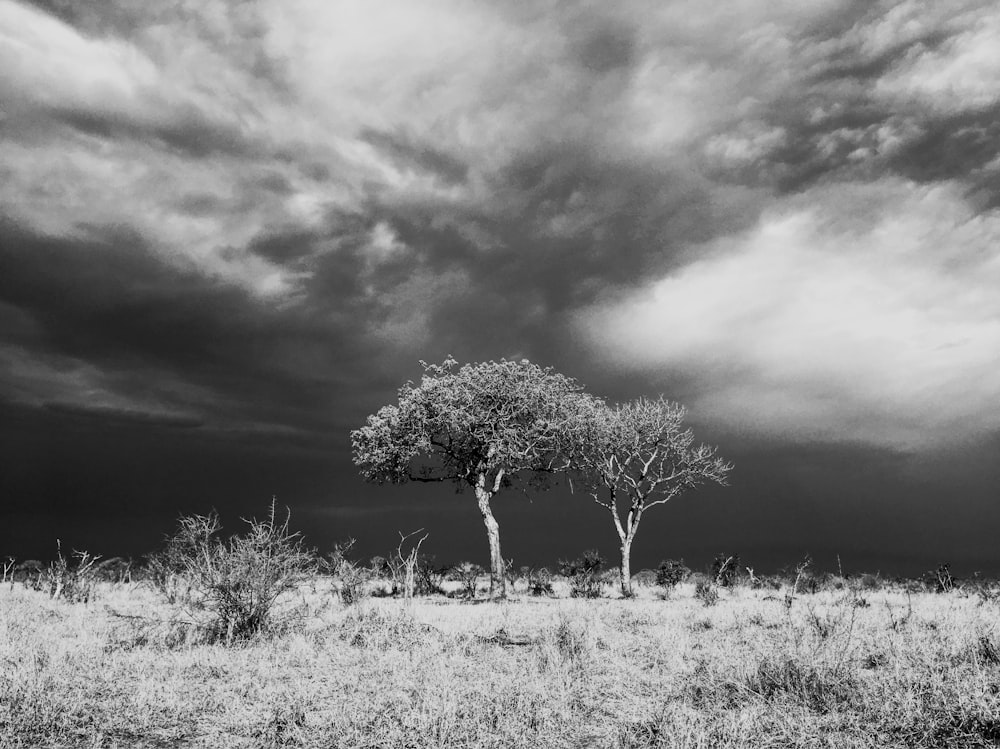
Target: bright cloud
[964,73]
[821,322]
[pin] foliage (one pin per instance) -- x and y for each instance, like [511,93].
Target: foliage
[494,419]
[584,574]
[726,569]
[233,585]
[706,592]
[540,581]
[467,574]
[478,425]
[671,573]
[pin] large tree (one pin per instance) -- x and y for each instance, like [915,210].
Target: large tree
[481,425]
[637,455]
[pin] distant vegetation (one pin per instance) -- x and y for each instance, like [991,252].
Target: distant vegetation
[230,587]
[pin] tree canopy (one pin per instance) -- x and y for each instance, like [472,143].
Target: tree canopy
[483,425]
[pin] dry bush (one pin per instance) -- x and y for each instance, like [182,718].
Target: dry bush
[940,579]
[540,581]
[706,592]
[467,575]
[351,579]
[569,643]
[71,579]
[584,574]
[231,586]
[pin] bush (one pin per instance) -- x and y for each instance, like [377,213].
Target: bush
[706,592]
[351,579]
[467,574]
[68,580]
[726,569]
[584,574]
[671,573]
[540,581]
[940,580]
[233,585]
[644,578]
[429,577]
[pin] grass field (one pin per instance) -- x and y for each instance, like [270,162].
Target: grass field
[832,669]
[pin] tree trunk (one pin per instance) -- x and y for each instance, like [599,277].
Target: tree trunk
[625,568]
[498,577]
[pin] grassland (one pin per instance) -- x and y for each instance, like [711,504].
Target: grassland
[833,669]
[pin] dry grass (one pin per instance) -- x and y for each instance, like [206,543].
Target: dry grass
[746,672]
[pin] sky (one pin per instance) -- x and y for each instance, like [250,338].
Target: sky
[230,231]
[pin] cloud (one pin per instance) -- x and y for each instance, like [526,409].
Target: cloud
[236,210]
[961,73]
[867,314]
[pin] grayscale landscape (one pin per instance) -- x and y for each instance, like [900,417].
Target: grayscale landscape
[441,373]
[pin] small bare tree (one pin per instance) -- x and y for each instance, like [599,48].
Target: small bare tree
[637,455]
[408,560]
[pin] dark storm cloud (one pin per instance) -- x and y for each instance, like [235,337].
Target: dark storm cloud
[611,148]
[152,331]
[245,223]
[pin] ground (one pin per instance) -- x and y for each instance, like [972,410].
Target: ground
[839,668]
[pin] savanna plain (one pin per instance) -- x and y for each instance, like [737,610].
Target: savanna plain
[857,663]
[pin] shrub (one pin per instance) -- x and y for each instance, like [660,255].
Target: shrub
[351,579]
[645,578]
[671,573]
[940,580]
[869,582]
[706,592]
[540,581]
[467,575]
[429,577]
[72,580]
[725,569]
[234,584]
[584,574]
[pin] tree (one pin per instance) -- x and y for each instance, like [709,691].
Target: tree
[480,425]
[637,455]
